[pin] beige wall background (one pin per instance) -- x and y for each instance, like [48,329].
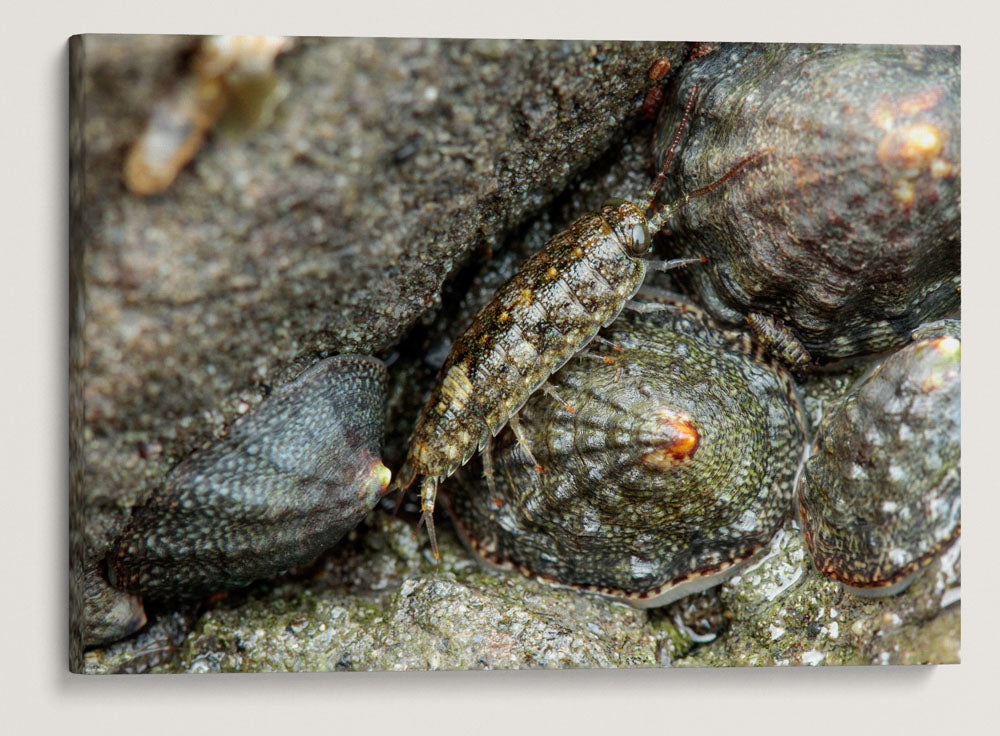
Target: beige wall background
[40,695]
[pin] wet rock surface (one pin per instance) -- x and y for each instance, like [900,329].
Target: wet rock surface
[399,611]
[379,603]
[398,183]
[785,613]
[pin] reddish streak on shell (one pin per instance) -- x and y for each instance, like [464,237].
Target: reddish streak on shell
[676,440]
[948,345]
[920,102]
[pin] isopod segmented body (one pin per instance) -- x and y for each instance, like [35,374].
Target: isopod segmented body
[676,468]
[546,313]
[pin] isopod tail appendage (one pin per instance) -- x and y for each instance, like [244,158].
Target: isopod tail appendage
[428,492]
[780,342]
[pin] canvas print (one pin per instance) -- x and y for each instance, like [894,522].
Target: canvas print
[394,354]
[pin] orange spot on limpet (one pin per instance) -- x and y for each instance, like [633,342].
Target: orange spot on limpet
[674,437]
[944,371]
[882,117]
[904,194]
[941,169]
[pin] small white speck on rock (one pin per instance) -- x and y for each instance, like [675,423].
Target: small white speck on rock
[812,657]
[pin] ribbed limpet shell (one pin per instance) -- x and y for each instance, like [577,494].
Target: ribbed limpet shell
[675,466]
[880,495]
[848,233]
[287,481]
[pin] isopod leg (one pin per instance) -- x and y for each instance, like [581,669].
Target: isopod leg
[398,497]
[488,468]
[550,390]
[515,425]
[595,356]
[404,478]
[428,492]
[675,263]
[613,345]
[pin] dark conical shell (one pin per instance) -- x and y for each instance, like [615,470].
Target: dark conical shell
[109,614]
[881,494]
[286,482]
[848,232]
[676,464]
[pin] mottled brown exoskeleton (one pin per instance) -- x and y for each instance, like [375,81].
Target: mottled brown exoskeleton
[547,312]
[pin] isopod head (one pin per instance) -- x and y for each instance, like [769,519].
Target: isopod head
[629,225]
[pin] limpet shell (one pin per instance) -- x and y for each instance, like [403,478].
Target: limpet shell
[286,482]
[676,465]
[109,614]
[848,232]
[880,495]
